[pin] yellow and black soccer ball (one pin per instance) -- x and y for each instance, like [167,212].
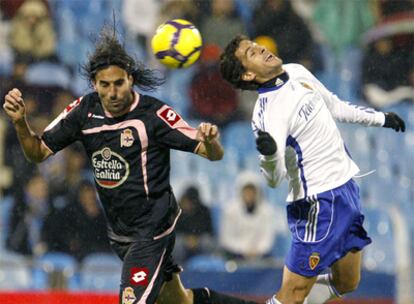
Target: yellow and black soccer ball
[177,43]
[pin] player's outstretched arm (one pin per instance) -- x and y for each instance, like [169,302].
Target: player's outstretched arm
[393,121]
[31,144]
[210,146]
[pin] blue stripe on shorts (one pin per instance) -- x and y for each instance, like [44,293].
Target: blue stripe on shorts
[325,227]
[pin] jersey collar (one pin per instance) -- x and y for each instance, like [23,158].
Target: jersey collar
[274,83]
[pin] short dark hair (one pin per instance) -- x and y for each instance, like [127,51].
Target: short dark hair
[232,69]
[109,51]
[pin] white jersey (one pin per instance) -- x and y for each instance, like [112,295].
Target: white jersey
[300,115]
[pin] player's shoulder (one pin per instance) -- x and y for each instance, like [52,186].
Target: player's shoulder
[81,104]
[150,103]
[87,100]
[158,110]
[294,69]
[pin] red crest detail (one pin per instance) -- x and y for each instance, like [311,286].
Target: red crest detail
[139,276]
[314,260]
[170,116]
[72,105]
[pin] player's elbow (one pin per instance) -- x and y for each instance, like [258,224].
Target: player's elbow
[36,158]
[216,156]
[273,183]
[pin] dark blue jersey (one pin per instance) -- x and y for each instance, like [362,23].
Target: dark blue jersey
[130,158]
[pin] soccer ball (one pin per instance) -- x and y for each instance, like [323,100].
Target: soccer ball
[177,43]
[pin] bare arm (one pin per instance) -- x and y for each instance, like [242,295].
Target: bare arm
[31,144]
[210,146]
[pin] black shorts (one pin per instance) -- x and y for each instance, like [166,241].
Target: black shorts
[147,265]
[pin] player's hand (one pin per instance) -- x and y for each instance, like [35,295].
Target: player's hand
[265,143]
[206,132]
[393,121]
[14,106]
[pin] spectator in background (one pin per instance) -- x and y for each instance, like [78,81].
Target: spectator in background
[386,73]
[181,9]
[223,16]
[278,20]
[388,62]
[32,35]
[65,175]
[194,228]
[147,14]
[211,97]
[342,22]
[27,216]
[249,224]
[79,228]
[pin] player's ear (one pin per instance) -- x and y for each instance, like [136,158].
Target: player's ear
[131,80]
[248,76]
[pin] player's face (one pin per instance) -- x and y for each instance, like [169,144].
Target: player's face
[114,87]
[260,64]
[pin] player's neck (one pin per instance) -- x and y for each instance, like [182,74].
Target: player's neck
[277,72]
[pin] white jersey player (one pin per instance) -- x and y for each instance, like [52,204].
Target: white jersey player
[297,137]
[300,113]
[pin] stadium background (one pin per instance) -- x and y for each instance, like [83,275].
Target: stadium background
[388,193]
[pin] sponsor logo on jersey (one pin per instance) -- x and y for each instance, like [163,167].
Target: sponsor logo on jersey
[139,276]
[170,116]
[308,108]
[110,168]
[314,260]
[91,115]
[128,296]
[127,138]
[279,82]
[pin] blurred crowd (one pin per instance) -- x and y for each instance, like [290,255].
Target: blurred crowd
[53,206]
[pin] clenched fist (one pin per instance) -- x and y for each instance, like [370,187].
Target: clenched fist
[14,105]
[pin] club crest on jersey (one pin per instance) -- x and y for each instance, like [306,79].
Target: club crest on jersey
[139,276]
[305,85]
[127,138]
[314,260]
[169,116]
[110,168]
[128,296]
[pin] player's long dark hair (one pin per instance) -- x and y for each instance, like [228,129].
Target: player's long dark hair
[109,51]
[232,69]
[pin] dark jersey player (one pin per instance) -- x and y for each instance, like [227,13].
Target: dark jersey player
[127,137]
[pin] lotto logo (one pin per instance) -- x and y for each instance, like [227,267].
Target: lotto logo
[139,276]
[169,116]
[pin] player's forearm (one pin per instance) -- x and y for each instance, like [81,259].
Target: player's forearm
[271,170]
[30,142]
[350,113]
[213,150]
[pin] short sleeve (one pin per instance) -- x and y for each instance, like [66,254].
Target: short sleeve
[173,131]
[64,129]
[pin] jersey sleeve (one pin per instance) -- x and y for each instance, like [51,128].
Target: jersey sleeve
[64,129]
[270,120]
[344,111]
[173,131]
